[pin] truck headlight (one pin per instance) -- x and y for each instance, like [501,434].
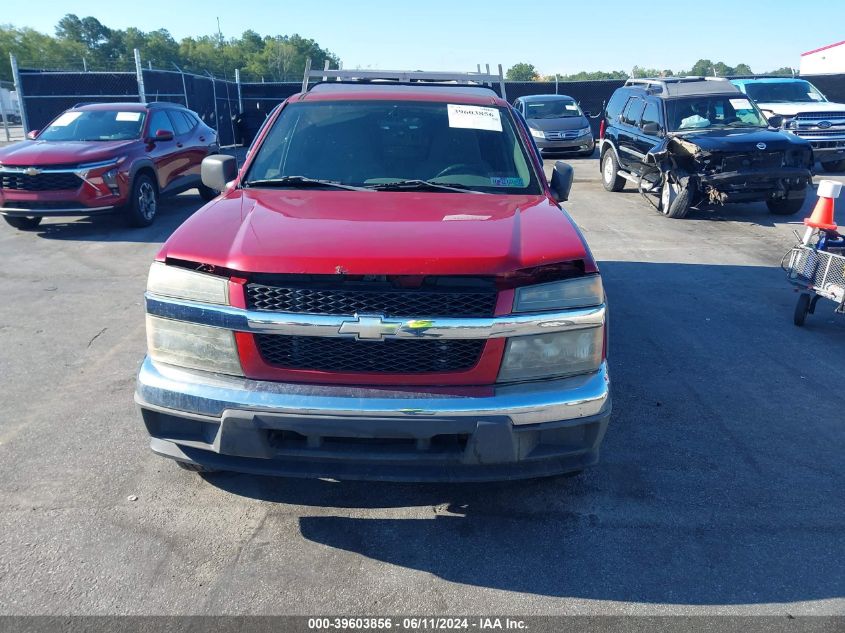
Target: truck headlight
[552,355]
[181,283]
[191,345]
[580,292]
[538,133]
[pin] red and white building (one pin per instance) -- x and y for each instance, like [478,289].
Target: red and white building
[826,60]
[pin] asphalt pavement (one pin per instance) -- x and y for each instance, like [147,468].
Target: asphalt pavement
[720,488]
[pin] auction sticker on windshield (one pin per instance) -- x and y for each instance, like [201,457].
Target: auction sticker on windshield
[740,104]
[66,119]
[474,117]
[128,116]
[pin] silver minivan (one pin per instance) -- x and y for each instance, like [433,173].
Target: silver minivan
[557,124]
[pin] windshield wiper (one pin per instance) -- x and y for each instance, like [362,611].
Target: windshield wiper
[300,181]
[417,185]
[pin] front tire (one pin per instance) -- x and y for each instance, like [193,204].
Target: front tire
[675,201]
[785,206]
[802,308]
[143,202]
[836,165]
[610,177]
[22,223]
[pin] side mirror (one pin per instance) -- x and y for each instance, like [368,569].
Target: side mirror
[162,135]
[562,176]
[651,128]
[32,134]
[218,170]
[775,120]
[587,113]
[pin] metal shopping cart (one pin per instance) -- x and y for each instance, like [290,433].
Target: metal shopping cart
[819,270]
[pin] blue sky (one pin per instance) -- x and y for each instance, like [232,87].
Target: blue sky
[555,36]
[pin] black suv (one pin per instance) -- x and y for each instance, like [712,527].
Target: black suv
[691,140]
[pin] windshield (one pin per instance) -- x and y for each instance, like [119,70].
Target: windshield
[94,125]
[784,92]
[375,143]
[552,109]
[712,112]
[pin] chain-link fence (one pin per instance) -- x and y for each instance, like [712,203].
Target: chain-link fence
[237,109]
[45,93]
[10,113]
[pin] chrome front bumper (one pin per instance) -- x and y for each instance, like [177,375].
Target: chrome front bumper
[391,433]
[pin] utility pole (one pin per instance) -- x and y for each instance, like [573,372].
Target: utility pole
[139,74]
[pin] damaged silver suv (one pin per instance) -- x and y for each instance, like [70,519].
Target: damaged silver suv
[694,140]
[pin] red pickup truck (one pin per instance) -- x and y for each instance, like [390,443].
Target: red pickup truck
[387,289]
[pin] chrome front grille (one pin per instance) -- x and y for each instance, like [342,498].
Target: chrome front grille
[819,116]
[822,133]
[562,135]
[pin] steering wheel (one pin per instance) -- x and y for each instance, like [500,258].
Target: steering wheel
[458,168]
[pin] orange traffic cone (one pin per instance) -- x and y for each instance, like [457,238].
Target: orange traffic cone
[822,217]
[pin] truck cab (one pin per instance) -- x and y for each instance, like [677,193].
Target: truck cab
[388,288]
[803,111]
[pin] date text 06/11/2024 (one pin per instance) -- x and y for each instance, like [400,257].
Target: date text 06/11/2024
[416,624]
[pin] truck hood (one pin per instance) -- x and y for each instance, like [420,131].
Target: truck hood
[791,109]
[743,140]
[45,153]
[377,233]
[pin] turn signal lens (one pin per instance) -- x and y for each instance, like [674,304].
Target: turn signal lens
[552,355]
[191,345]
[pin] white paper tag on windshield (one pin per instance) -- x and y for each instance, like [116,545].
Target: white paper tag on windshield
[571,106]
[474,117]
[814,96]
[740,104]
[128,116]
[66,119]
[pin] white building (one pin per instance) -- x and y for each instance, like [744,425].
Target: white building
[826,60]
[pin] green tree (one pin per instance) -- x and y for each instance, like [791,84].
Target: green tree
[641,73]
[522,72]
[276,57]
[702,67]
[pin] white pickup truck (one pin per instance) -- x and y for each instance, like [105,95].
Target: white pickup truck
[805,111]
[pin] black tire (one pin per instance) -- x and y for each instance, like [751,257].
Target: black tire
[679,206]
[207,193]
[142,207]
[835,165]
[22,223]
[194,468]
[610,177]
[785,206]
[802,308]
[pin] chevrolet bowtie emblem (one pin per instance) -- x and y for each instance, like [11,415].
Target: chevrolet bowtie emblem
[32,171]
[370,328]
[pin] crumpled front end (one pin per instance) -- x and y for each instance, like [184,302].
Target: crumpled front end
[720,177]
